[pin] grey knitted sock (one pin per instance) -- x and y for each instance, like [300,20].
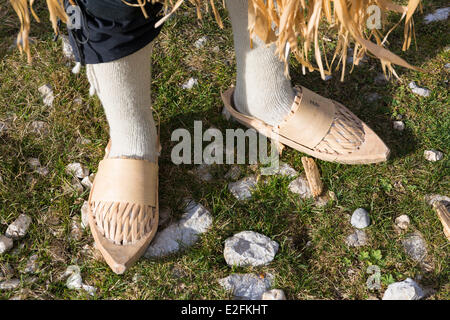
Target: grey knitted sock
[123,87]
[262,89]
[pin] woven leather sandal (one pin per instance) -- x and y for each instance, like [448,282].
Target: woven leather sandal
[123,209]
[319,127]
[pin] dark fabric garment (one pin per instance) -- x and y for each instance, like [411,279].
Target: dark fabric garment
[111,30]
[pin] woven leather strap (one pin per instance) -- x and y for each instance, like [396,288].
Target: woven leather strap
[126,180]
[309,120]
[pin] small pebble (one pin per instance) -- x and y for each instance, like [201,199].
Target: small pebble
[423,92]
[360,218]
[433,155]
[248,248]
[247,286]
[39,127]
[274,294]
[399,125]
[77,170]
[300,186]
[31,266]
[202,171]
[190,84]
[18,229]
[402,222]
[47,94]
[242,189]
[438,15]
[9,284]
[404,290]
[357,239]
[201,42]
[6,244]
[85,215]
[88,181]
[415,246]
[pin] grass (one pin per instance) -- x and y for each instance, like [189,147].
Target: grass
[313,262]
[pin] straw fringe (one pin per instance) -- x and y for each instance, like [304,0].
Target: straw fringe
[296,23]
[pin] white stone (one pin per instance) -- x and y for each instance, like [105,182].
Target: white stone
[357,239]
[402,222]
[300,186]
[415,246]
[67,48]
[247,286]
[360,218]
[201,42]
[3,127]
[203,173]
[248,248]
[31,266]
[77,170]
[85,215]
[437,15]
[6,244]
[190,83]
[75,282]
[47,94]
[9,284]
[242,189]
[76,185]
[19,227]
[433,155]
[39,127]
[76,231]
[285,170]
[423,92]
[34,163]
[87,181]
[274,294]
[398,125]
[404,290]
[184,233]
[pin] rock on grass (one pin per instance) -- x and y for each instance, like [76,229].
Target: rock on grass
[360,218]
[433,155]
[6,244]
[184,233]
[274,294]
[438,15]
[415,246]
[77,170]
[423,92]
[247,286]
[404,290]
[9,284]
[357,239]
[242,189]
[248,248]
[18,229]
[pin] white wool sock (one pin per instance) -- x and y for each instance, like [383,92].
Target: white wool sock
[123,87]
[262,89]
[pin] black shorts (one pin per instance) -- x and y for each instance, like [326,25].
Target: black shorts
[111,29]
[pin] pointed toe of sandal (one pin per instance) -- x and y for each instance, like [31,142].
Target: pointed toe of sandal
[319,127]
[123,210]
